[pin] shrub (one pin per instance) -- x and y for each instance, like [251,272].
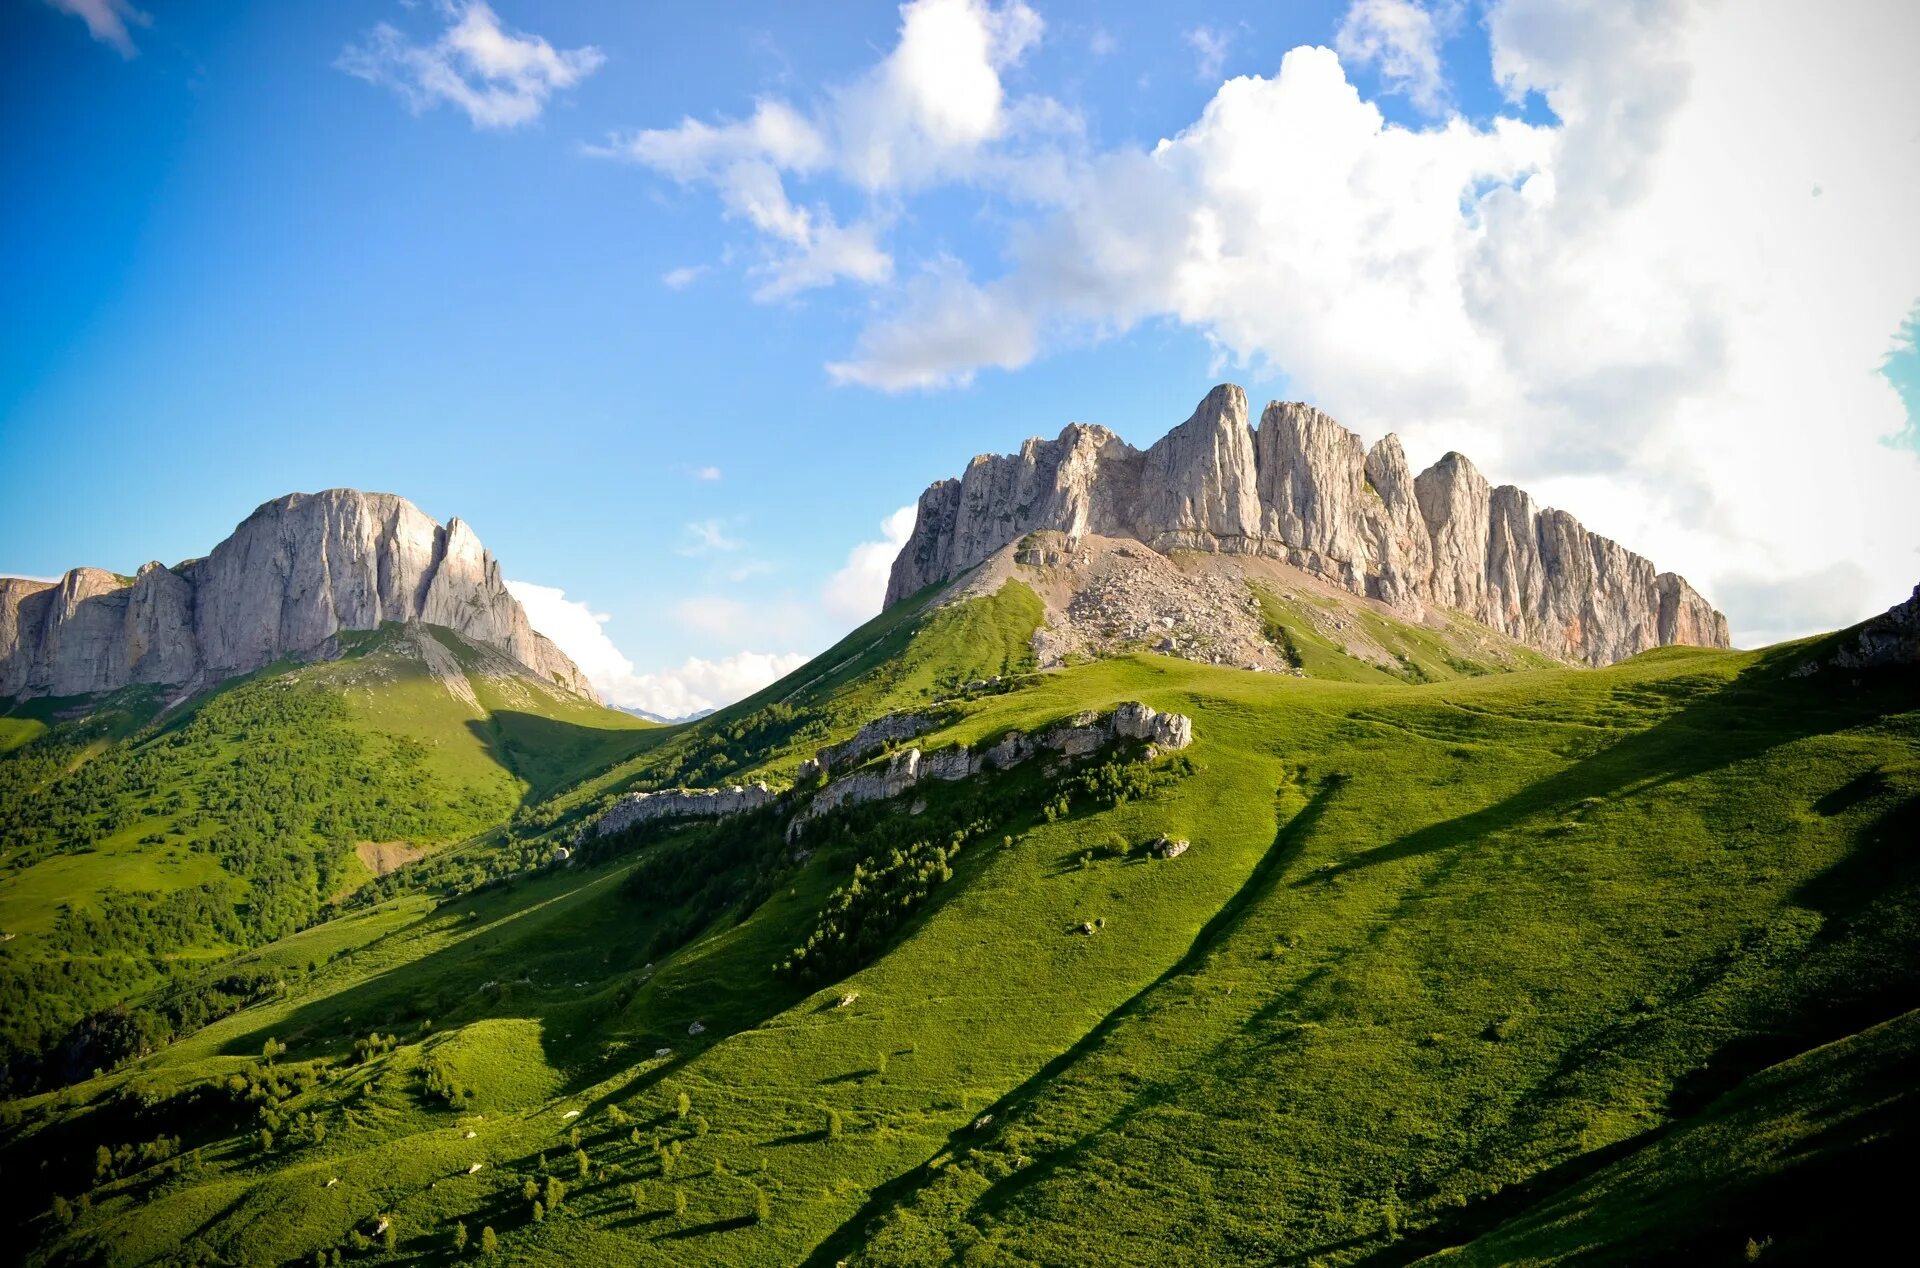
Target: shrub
[539,1212]
[833,1124]
[459,1237]
[489,1244]
[679,1203]
[581,1162]
[556,1192]
[682,1104]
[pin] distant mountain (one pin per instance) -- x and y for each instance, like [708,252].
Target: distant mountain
[141,841]
[660,718]
[296,573]
[1303,490]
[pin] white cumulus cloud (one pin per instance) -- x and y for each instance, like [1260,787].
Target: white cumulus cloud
[500,78]
[855,592]
[1664,307]
[928,111]
[694,685]
[697,684]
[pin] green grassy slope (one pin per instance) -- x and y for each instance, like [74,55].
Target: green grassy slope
[1803,1162]
[138,851]
[1438,955]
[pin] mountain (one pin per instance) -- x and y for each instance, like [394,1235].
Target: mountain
[1301,489]
[991,935]
[143,843]
[295,574]
[1572,965]
[695,716]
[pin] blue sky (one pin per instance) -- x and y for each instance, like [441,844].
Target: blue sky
[678,372]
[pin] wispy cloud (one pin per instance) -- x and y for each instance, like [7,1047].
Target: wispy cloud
[708,474]
[1210,45]
[681,278]
[707,537]
[107,21]
[499,77]
[1402,40]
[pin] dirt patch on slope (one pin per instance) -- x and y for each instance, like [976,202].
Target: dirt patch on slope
[381,857]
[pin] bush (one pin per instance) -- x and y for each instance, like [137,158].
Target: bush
[489,1244]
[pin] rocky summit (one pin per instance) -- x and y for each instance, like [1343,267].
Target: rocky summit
[295,573]
[1304,490]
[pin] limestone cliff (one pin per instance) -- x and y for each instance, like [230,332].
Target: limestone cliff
[1303,489]
[296,572]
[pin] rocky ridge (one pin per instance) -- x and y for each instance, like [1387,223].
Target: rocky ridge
[681,803]
[1303,490]
[1890,639]
[295,573]
[1077,736]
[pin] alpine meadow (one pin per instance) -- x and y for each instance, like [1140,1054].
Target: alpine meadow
[1294,835]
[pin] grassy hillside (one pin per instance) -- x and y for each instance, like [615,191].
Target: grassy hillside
[1484,968]
[139,849]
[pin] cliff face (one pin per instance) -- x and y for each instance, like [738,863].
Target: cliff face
[1303,489]
[295,573]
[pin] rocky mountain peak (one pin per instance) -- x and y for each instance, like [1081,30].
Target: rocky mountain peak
[1303,489]
[293,574]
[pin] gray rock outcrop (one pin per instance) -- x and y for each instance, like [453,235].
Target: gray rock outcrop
[1303,489]
[1892,638]
[295,573]
[891,728]
[1077,736]
[681,803]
